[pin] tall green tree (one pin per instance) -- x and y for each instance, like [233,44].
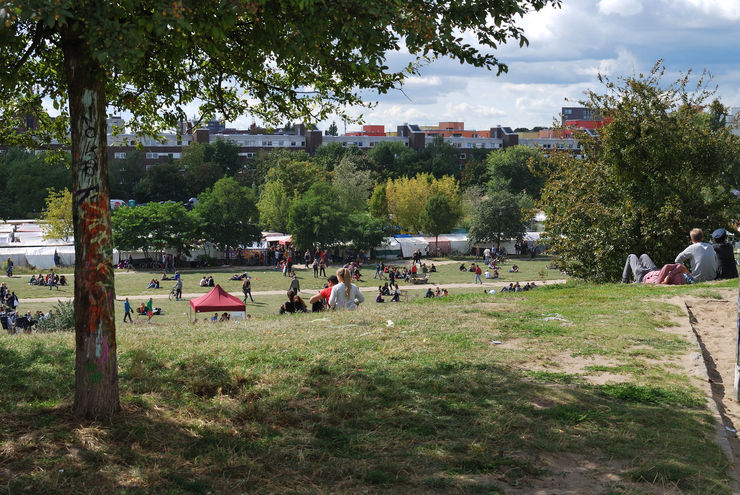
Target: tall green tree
[163,182]
[517,169]
[124,174]
[58,215]
[153,227]
[333,130]
[24,180]
[314,220]
[227,215]
[657,170]
[497,218]
[353,186]
[152,58]
[439,215]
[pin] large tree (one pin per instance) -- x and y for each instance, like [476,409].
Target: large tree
[227,214]
[407,196]
[659,168]
[517,169]
[439,215]
[497,218]
[153,57]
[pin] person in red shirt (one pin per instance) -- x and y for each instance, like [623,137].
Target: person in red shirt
[477,279]
[320,299]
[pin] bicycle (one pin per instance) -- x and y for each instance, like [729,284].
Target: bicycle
[173,294]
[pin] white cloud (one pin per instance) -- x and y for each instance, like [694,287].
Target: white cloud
[423,81]
[620,7]
[728,9]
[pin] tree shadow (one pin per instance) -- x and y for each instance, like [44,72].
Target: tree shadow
[193,425]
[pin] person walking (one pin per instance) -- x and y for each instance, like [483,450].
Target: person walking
[315,266]
[247,289]
[478,272]
[127,311]
[295,285]
[149,310]
[9,268]
[322,267]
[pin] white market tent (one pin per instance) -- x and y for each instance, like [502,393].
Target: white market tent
[411,244]
[388,249]
[458,243]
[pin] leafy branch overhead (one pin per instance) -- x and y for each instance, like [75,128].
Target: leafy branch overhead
[274,59]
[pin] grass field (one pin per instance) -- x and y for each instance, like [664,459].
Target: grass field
[346,403]
[133,284]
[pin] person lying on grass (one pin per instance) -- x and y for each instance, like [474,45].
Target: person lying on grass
[645,271]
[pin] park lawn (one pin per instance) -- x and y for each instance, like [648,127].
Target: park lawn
[266,278]
[346,403]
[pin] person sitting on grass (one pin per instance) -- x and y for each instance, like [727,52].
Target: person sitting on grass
[211,282]
[462,267]
[345,295]
[236,276]
[204,281]
[432,269]
[379,297]
[396,295]
[214,318]
[32,280]
[153,284]
[40,280]
[224,317]
[429,293]
[726,266]
[294,304]
[514,269]
[385,290]
[141,310]
[320,300]
[62,280]
[165,277]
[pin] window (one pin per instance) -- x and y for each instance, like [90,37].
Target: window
[372,144]
[469,145]
[463,156]
[120,155]
[152,156]
[292,143]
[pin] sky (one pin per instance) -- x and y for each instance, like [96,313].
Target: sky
[568,48]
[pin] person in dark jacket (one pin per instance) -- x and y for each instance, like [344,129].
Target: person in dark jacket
[725,255]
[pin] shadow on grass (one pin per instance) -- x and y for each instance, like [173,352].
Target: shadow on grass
[193,425]
[35,375]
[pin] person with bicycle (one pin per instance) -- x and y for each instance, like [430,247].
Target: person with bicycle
[178,289]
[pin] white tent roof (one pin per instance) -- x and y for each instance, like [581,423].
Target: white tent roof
[411,244]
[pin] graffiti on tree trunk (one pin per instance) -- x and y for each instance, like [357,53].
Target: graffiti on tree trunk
[95,242]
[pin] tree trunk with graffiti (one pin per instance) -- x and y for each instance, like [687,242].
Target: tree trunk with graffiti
[96,367]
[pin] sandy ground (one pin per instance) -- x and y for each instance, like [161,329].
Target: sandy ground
[715,323]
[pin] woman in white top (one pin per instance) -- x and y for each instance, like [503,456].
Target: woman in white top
[345,294]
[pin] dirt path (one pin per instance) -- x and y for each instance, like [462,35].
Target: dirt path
[714,322]
[373,290]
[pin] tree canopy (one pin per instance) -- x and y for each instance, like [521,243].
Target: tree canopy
[657,170]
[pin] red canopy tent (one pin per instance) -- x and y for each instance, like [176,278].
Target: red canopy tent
[217,300]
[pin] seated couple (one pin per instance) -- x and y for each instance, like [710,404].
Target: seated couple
[706,264]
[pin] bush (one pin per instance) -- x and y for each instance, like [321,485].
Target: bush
[62,318]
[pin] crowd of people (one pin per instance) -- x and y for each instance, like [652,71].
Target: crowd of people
[50,280]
